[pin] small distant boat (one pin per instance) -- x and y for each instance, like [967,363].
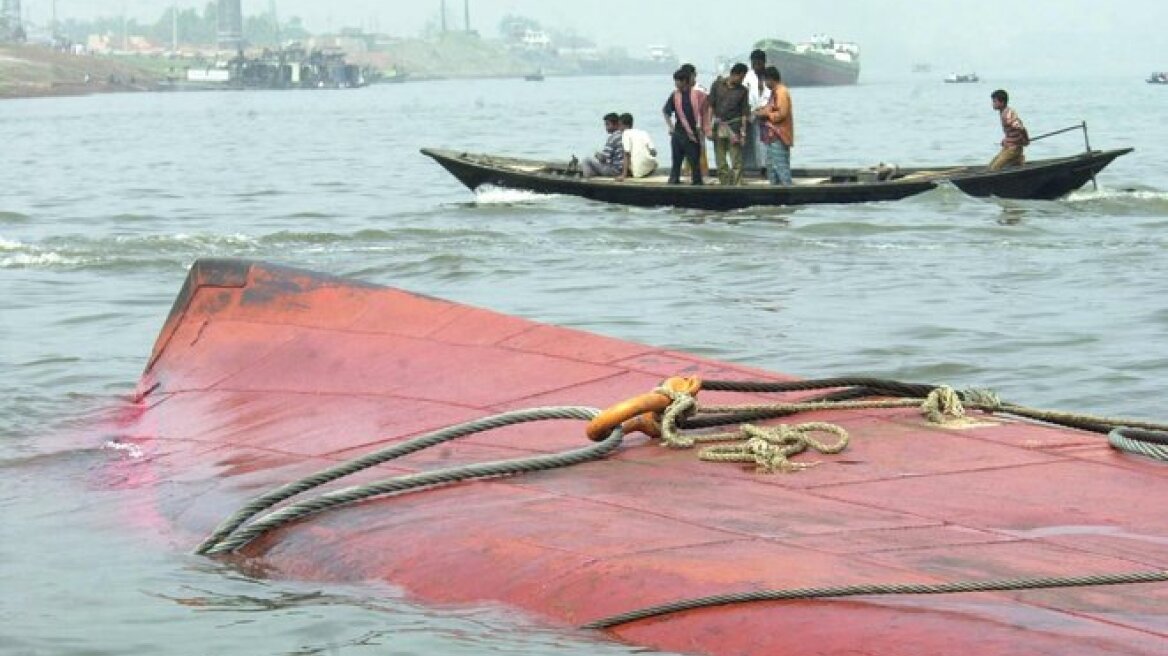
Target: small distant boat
[962,78]
[922,68]
[534,77]
[396,76]
[1160,77]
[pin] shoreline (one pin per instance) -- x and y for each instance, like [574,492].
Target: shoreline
[39,72]
[32,71]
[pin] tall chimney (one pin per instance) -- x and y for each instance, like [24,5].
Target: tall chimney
[230,32]
[10,25]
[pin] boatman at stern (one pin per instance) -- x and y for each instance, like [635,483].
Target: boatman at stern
[1015,136]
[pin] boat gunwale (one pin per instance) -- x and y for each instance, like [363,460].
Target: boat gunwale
[959,172]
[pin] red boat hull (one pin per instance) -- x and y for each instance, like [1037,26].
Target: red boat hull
[264,374]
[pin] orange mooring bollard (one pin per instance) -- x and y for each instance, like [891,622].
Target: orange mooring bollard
[641,413]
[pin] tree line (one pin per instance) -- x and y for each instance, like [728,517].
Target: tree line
[194,28]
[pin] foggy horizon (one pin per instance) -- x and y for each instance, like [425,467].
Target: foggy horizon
[995,38]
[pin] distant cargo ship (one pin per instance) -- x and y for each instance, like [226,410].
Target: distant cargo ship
[822,61]
[289,68]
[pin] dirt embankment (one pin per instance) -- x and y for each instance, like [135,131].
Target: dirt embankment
[29,71]
[455,55]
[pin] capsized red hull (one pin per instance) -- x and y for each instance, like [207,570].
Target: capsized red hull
[263,374]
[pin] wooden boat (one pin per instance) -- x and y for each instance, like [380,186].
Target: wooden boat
[1040,179]
[263,374]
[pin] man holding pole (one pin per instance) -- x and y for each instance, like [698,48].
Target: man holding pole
[1015,136]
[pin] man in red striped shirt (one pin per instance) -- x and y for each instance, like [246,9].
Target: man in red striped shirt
[1015,135]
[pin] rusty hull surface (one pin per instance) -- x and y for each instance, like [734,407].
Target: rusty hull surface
[263,374]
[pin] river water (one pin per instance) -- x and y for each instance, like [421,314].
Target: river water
[106,200]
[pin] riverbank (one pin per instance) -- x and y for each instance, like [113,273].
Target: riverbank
[29,71]
[32,71]
[458,55]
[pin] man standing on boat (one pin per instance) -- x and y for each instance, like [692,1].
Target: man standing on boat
[688,104]
[760,95]
[1015,136]
[611,160]
[730,105]
[640,154]
[778,128]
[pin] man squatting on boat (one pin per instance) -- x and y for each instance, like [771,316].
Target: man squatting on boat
[610,161]
[627,152]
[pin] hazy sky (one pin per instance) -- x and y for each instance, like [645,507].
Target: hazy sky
[988,36]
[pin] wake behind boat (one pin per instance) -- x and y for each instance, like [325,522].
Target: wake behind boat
[1045,179]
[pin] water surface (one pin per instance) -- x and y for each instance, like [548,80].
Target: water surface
[108,199]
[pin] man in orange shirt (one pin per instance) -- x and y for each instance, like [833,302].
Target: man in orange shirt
[778,128]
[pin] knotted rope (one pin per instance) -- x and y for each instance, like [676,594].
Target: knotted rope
[771,447]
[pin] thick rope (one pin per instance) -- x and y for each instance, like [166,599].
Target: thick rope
[1153,444]
[217,542]
[301,509]
[987,585]
[984,400]
[770,447]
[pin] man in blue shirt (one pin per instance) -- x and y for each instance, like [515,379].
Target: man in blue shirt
[610,161]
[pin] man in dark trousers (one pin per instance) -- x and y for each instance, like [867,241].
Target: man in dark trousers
[685,118]
[730,106]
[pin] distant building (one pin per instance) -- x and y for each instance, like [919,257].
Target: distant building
[661,54]
[580,52]
[536,40]
[108,43]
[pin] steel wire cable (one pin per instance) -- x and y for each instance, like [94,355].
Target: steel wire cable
[230,525]
[987,585]
[1153,444]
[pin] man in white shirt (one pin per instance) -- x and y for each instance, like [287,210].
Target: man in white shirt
[759,96]
[640,155]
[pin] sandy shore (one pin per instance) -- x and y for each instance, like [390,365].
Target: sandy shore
[34,71]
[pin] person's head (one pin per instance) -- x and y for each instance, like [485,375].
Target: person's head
[680,79]
[1000,99]
[626,120]
[737,72]
[772,76]
[691,71]
[611,122]
[758,61]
